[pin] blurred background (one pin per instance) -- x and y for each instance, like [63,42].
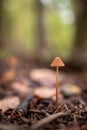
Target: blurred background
[39,30]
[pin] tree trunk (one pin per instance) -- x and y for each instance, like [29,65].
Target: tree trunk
[41,37]
[79,52]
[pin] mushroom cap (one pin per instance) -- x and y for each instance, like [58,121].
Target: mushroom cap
[57,62]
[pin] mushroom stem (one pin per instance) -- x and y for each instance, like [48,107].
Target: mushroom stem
[57,89]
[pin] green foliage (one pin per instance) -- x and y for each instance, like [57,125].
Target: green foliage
[59,34]
[22,15]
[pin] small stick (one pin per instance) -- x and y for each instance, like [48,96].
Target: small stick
[23,107]
[9,127]
[12,127]
[76,124]
[47,120]
[39,111]
[57,62]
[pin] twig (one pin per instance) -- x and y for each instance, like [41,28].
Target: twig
[47,120]
[12,127]
[76,124]
[39,111]
[23,107]
[8,127]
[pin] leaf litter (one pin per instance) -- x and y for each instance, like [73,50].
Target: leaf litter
[28,99]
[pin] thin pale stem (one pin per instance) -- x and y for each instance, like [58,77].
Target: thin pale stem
[57,89]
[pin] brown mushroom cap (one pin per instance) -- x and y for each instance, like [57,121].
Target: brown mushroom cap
[57,62]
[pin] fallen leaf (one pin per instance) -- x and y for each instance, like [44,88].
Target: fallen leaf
[21,88]
[9,102]
[12,61]
[70,89]
[44,92]
[45,77]
[8,76]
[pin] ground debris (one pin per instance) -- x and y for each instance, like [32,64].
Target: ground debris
[34,95]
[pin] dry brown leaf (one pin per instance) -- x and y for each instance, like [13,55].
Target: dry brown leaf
[8,76]
[45,77]
[12,61]
[21,87]
[44,92]
[9,102]
[70,89]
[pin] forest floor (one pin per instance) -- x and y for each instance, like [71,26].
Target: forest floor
[27,98]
